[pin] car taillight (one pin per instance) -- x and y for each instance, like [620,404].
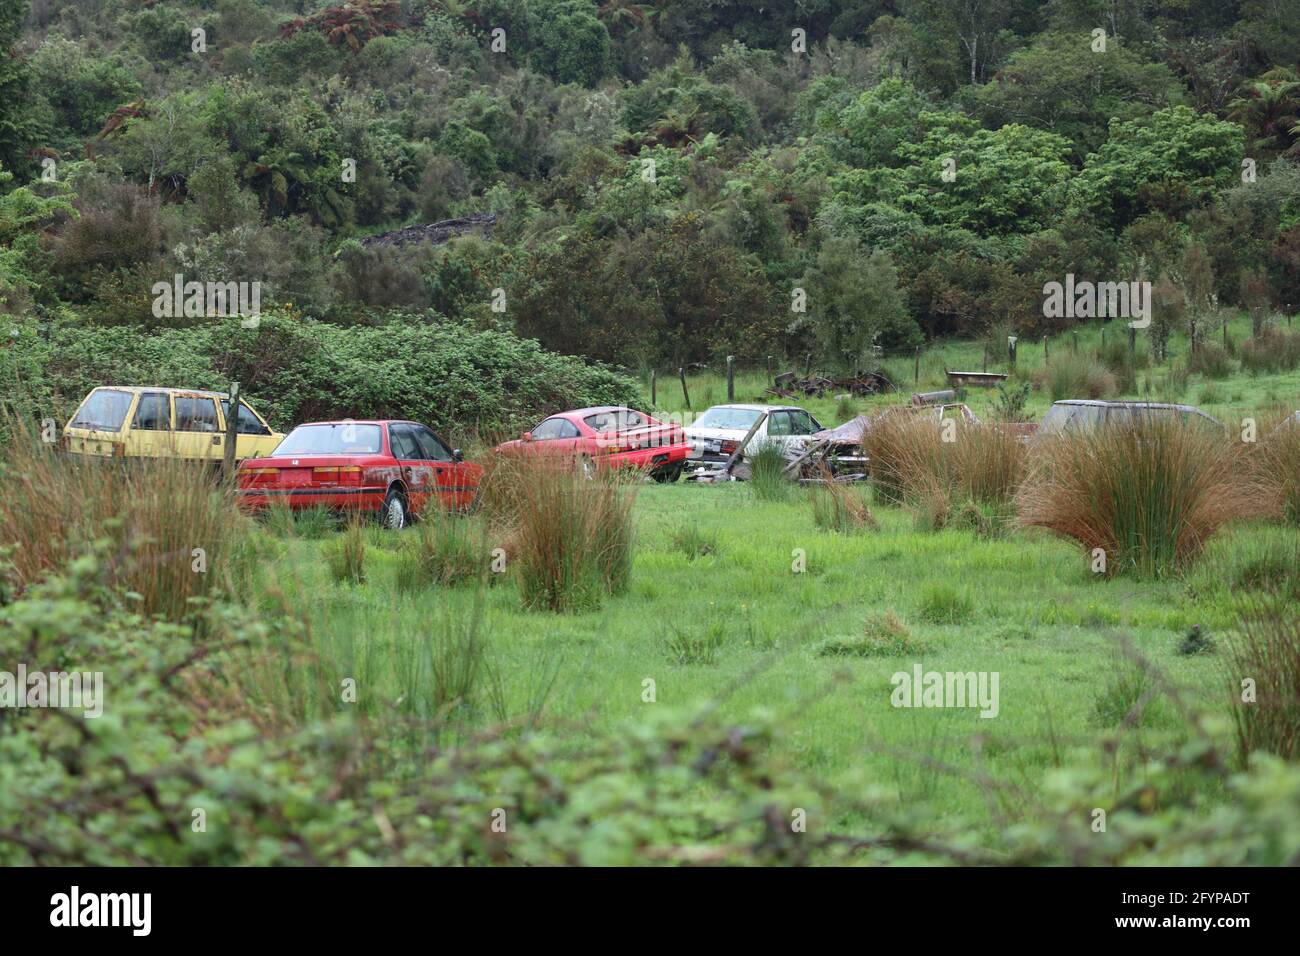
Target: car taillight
[343,475]
[729,447]
[257,476]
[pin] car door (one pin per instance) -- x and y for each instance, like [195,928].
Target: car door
[150,428]
[453,487]
[197,428]
[557,436]
[418,472]
[254,437]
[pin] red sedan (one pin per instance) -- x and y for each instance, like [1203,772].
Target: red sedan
[609,437]
[395,469]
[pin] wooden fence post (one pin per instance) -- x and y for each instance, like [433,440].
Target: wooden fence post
[917,372]
[1011,351]
[731,378]
[654,390]
[681,374]
[232,432]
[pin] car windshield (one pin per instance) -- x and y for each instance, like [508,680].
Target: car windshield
[104,410]
[342,438]
[615,421]
[737,419]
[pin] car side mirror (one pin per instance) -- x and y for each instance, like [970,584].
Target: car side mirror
[457,455]
[527,436]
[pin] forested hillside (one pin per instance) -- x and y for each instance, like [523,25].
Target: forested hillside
[671,181]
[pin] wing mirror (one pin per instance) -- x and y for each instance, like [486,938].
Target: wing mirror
[527,436]
[457,455]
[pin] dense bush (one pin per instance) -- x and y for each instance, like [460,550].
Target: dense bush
[294,369]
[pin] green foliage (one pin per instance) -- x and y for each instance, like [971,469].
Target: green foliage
[569,44]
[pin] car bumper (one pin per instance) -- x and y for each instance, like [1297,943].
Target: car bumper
[297,499]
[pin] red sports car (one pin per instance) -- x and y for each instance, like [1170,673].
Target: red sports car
[609,437]
[395,469]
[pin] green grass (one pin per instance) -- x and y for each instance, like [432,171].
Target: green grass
[1228,399]
[715,616]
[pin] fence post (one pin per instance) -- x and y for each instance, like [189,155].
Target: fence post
[807,365]
[1075,347]
[986,356]
[232,432]
[1132,346]
[917,373]
[1011,351]
[731,378]
[654,390]
[681,374]
[1045,348]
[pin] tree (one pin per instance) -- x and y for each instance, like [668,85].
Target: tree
[854,303]
[18,129]
[569,43]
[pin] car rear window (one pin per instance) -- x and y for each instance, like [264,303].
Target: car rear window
[103,410]
[615,421]
[341,438]
[740,419]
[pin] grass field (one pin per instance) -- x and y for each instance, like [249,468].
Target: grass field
[1228,398]
[716,616]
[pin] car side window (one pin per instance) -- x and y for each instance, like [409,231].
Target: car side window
[778,423]
[801,423]
[154,413]
[195,414]
[403,442]
[431,445]
[248,423]
[552,428]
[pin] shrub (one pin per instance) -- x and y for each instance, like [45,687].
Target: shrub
[1149,496]
[1210,360]
[1273,350]
[1070,375]
[346,555]
[1129,688]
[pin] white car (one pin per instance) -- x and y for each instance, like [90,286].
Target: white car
[720,430]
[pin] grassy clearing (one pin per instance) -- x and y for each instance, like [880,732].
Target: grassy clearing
[716,614]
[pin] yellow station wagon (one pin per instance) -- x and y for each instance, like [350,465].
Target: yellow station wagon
[132,421]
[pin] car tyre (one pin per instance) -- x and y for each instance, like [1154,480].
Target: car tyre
[666,476]
[394,515]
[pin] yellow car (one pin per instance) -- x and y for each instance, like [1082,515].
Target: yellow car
[131,421]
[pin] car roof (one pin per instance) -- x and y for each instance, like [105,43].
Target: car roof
[167,389]
[757,407]
[361,421]
[1105,404]
[595,410]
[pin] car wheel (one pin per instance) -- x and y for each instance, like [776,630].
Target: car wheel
[393,516]
[666,476]
[586,467]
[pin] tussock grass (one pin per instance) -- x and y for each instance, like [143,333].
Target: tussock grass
[570,538]
[1278,459]
[444,550]
[345,555]
[1150,496]
[171,528]
[767,473]
[1076,376]
[911,463]
[840,507]
[1266,649]
[884,634]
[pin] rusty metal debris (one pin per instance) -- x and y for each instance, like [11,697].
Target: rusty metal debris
[790,385]
[434,232]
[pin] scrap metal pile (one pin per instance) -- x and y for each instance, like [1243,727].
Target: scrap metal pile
[788,385]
